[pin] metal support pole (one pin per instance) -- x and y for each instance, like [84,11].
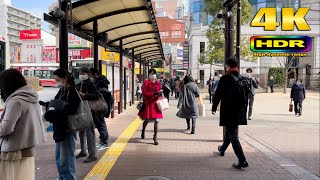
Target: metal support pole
[63,35]
[132,77]
[229,36]
[121,75]
[95,44]
[112,113]
[125,88]
[238,50]
[140,68]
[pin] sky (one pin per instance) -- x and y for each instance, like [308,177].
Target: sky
[35,7]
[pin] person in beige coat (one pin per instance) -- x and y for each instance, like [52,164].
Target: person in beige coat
[21,127]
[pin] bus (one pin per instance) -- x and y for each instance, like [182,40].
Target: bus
[43,71]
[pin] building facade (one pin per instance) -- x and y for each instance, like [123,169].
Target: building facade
[308,68]
[14,20]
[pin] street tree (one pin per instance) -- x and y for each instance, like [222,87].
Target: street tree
[215,33]
[286,64]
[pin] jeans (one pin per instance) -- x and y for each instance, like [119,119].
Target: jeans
[251,100]
[65,157]
[232,137]
[88,136]
[101,125]
[298,107]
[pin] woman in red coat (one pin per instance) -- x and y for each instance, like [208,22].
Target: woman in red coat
[151,91]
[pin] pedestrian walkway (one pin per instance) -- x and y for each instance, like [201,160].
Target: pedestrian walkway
[277,145]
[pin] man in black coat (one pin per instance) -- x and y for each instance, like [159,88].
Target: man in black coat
[232,110]
[298,94]
[102,83]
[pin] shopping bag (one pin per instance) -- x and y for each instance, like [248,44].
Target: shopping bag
[162,104]
[290,107]
[82,119]
[202,107]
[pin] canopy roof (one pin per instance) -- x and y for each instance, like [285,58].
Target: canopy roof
[132,21]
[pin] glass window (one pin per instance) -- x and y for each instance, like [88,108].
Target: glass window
[176,34]
[196,17]
[202,47]
[204,18]
[196,7]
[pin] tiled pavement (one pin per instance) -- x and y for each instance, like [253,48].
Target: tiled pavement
[180,155]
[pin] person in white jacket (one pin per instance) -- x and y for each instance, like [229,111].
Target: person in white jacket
[21,127]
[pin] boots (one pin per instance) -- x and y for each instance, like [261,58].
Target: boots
[192,130]
[155,140]
[188,124]
[142,134]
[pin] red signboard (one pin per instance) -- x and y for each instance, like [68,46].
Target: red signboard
[30,34]
[49,54]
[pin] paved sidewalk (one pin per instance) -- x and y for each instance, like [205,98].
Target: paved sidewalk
[277,145]
[184,156]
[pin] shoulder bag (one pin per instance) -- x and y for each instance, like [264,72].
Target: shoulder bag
[82,119]
[99,105]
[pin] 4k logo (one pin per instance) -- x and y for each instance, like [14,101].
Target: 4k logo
[288,18]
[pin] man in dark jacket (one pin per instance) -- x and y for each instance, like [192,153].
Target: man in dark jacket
[253,85]
[87,91]
[101,83]
[298,94]
[232,111]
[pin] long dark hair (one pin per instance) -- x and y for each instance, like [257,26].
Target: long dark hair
[10,81]
[62,73]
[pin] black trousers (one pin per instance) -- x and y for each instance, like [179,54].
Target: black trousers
[271,87]
[166,95]
[101,125]
[232,137]
[298,107]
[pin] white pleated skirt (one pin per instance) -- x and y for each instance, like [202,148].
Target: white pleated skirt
[23,169]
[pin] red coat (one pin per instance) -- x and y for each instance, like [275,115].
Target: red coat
[151,110]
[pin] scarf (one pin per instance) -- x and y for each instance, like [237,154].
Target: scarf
[232,70]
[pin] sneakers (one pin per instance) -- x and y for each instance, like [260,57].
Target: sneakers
[101,146]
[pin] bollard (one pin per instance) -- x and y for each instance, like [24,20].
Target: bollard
[130,103]
[119,108]
[112,114]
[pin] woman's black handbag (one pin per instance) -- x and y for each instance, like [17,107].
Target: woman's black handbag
[140,106]
[56,109]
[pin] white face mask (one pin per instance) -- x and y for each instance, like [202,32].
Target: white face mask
[92,79]
[298,83]
[152,76]
[59,84]
[83,77]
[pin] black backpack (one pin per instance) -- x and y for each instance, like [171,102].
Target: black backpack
[240,90]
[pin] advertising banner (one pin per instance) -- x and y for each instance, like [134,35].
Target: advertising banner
[180,54]
[30,34]
[49,54]
[74,41]
[110,56]
[31,51]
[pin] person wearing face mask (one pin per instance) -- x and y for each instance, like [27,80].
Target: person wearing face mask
[298,94]
[151,91]
[87,91]
[253,85]
[65,139]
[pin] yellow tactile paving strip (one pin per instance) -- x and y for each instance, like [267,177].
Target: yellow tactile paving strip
[101,170]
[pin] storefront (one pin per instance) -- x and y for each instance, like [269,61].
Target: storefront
[2,53]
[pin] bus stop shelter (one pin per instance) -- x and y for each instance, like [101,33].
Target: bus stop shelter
[126,26]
